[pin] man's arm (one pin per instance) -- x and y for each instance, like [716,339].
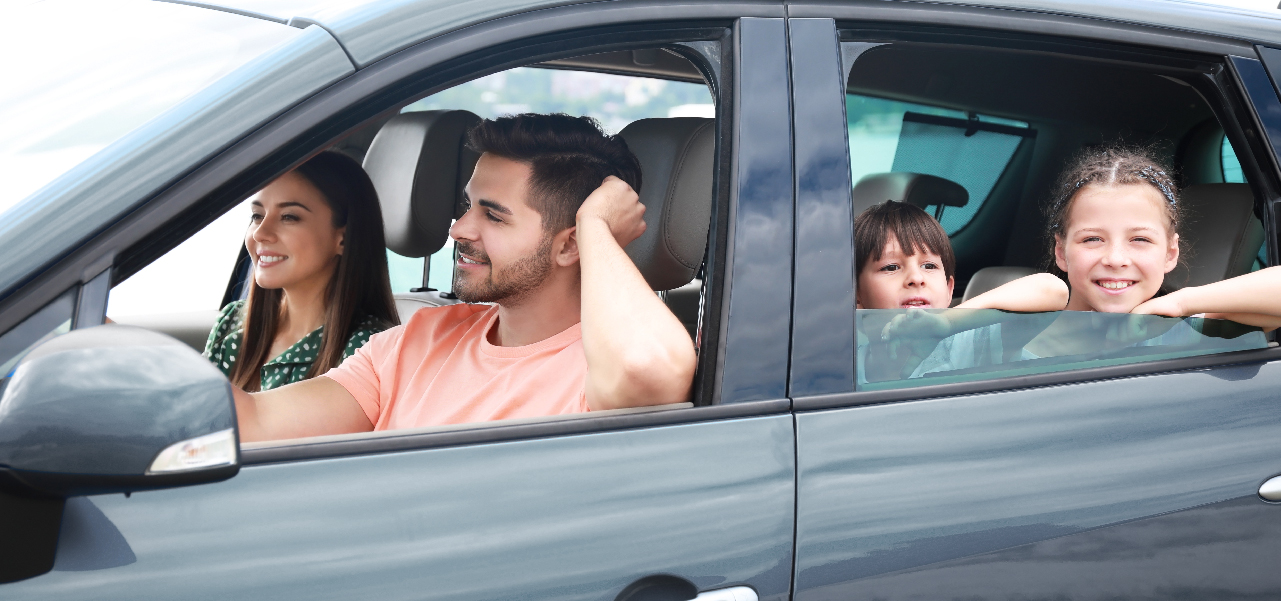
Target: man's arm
[638,353]
[314,407]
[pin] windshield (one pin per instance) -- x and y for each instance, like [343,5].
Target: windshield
[899,348]
[86,72]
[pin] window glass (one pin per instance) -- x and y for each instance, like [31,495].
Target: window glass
[1231,166]
[903,348]
[407,273]
[888,135]
[52,320]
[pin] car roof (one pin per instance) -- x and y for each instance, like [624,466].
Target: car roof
[372,29]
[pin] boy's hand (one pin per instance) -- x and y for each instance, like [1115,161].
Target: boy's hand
[618,206]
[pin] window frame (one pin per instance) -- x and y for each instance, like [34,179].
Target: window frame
[165,220]
[1222,88]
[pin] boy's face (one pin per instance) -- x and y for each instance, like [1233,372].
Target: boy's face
[899,281]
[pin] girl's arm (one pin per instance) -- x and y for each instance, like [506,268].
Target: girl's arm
[1252,299]
[1029,294]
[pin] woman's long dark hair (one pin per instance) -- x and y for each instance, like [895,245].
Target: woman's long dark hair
[359,286]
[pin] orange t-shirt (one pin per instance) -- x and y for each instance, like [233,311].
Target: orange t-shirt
[440,368]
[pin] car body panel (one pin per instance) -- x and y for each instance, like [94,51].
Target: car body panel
[576,517]
[912,486]
[100,190]
[359,24]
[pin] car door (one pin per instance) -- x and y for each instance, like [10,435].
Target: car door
[640,505]
[1135,481]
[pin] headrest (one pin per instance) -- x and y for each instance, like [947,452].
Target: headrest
[1220,232]
[913,188]
[419,165]
[990,278]
[677,157]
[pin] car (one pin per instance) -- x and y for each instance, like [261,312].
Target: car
[130,128]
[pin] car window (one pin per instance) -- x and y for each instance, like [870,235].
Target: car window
[920,107]
[899,348]
[970,149]
[1231,165]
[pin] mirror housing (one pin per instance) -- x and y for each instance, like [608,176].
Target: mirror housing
[115,408]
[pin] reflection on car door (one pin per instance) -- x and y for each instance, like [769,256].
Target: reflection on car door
[574,517]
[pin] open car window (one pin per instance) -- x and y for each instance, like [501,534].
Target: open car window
[899,348]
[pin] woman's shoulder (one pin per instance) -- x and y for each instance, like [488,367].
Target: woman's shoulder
[229,319]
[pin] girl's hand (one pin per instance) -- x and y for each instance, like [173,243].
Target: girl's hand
[917,323]
[1168,305]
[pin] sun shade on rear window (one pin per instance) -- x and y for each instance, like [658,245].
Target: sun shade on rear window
[901,348]
[970,149]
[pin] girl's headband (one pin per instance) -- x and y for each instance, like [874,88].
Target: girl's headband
[1150,174]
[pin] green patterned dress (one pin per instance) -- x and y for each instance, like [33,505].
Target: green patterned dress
[223,347]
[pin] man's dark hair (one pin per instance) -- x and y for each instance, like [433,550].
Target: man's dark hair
[569,157]
[912,227]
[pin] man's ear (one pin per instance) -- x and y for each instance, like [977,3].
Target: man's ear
[565,247]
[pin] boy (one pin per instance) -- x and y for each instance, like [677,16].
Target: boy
[905,261]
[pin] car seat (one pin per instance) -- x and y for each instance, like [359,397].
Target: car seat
[913,188]
[1221,237]
[419,164]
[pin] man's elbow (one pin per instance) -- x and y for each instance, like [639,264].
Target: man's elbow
[650,379]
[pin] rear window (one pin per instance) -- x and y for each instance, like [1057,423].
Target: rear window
[970,149]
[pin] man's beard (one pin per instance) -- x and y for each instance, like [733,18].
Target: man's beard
[510,284]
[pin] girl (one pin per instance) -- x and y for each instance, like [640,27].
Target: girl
[1114,229]
[320,285]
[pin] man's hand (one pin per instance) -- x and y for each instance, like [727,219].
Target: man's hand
[617,205]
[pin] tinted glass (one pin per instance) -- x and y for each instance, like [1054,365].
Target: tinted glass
[1231,166]
[900,348]
[887,135]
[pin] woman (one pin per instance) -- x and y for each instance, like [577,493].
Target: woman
[320,286]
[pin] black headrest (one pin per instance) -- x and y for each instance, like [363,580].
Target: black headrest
[913,188]
[677,157]
[420,165]
[1221,233]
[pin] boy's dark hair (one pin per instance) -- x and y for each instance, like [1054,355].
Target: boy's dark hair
[569,158]
[908,224]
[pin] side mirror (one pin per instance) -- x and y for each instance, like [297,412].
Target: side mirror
[104,410]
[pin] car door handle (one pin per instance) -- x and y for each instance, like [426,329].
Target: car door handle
[737,593]
[1271,490]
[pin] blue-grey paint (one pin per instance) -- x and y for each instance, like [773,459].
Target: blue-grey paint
[97,192]
[106,400]
[1225,550]
[823,293]
[888,488]
[570,518]
[757,325]
[377,28]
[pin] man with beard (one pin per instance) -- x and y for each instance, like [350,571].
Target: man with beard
[572,327]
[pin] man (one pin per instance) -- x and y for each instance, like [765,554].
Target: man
[573,325]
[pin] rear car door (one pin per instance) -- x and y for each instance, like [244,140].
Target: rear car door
[1135,480]
[644,505]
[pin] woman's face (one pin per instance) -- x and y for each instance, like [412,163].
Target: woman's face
[291,236]
[1116,247]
